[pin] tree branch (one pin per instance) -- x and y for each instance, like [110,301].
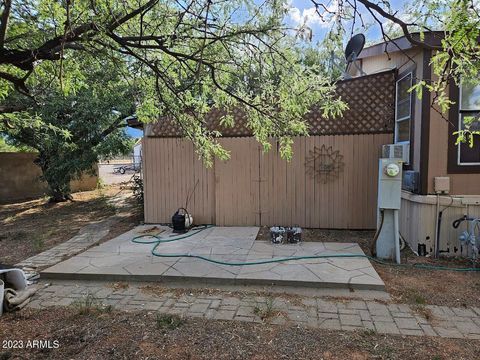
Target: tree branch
[7,109]
[403,25]
[50,50]
[4,20]
[117,22]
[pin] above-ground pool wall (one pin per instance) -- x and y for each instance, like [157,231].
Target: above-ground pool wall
[256,188]
[418,219]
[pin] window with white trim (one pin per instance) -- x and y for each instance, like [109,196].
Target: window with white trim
[403,109]
[469,108]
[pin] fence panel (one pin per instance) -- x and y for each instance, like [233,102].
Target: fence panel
[331,182]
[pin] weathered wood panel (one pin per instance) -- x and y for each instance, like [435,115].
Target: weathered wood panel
[171,172]
[236,182]
[256,188]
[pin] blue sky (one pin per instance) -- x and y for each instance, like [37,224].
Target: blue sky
[303,12]
[133,132]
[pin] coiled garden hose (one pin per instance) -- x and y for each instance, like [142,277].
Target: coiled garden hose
[156,240]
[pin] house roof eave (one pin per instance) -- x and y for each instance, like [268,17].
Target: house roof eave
[432,38]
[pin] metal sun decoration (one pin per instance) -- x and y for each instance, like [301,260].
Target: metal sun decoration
[324,163]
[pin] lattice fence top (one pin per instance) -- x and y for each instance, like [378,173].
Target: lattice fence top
[371,102]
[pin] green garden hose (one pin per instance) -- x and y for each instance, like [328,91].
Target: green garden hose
[159,240]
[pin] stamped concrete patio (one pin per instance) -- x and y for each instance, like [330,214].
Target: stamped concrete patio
[121,259]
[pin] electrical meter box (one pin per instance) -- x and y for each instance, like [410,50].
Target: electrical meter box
[441,184]
[390,184]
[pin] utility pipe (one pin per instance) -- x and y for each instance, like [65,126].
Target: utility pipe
[436,252]
[396,231]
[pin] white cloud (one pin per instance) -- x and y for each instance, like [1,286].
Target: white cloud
[309,16]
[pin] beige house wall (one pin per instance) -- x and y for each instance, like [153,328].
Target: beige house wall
[440,131]
[410,60]
[19,178]
[418,214]
[460,184]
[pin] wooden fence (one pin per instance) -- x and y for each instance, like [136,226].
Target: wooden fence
[330,183]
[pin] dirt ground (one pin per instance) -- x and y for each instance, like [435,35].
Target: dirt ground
[410,285]
[145,335]
[30,227]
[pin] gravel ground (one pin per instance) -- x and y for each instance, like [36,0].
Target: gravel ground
[84,333]
[105,172]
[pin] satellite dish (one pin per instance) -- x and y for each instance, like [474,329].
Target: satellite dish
[354,47]
[352,50]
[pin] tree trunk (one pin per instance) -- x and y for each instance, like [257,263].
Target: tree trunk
[59,196]
[58,185]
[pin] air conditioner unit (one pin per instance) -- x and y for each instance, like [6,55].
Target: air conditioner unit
[410,181]
[396,151]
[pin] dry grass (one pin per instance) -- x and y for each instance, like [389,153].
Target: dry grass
[148,335]
[30,227]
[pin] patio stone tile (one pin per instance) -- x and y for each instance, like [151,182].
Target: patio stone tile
[324,315]
[120,258]
[182,304]
[448,333]
[198,308]
[365,315]
[377,309]
[200,268]
[348,311]
[428,330]
[326,306]
[305,312]
[224,315]
[231,301]
[356,304]
[464,312]
[227,308]
[406,323]
[368,325]
[467,327]
[386,327]
[381,318]
[332,324]
[402,315]
[352,320]
[300,316]
[245,311]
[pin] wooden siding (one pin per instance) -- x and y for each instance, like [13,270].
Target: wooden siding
[171,170]
[256,188]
